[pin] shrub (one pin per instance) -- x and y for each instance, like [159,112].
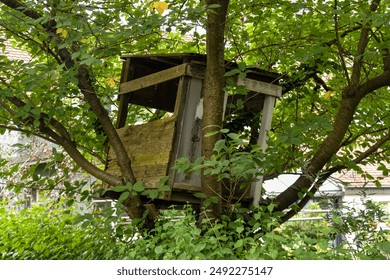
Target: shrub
[48,232]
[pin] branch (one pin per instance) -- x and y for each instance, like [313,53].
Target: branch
[362,44]
[57,125]
[90,96]
[70,147]
[28,132]
[380,81]
[368,131]
[338,42]
[326,174]
[85,85]
[373,148]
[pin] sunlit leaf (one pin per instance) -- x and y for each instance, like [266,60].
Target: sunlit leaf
[63,32]
[160,7]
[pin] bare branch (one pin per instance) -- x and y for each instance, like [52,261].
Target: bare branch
[27,132]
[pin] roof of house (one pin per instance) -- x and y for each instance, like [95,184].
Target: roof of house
[353,179]
[14,53]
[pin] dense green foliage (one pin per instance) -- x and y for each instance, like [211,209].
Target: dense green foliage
[49,232]
[334,61]
[53,232]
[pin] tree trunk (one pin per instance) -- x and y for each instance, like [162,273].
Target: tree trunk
[214,94]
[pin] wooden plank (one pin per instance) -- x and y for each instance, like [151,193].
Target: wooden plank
[265,127]
[149,146]
[262,87]
[153,79]
[196,71]
[127,74]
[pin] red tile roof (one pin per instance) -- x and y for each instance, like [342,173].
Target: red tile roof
[353,179]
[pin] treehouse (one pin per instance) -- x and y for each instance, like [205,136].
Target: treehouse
[168,89]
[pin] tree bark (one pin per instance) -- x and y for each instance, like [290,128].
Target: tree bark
[213,93]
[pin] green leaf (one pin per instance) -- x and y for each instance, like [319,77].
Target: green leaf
[200,195]
[239,243]
[212,133]
[123,197]
[164,188]
[384,246]
[239,229]
[163,180]
[159,250]
[232,72]
[213,6]
[153,193]
[234,136]
[138,187]
[126,187]
[241,65]
[219,145]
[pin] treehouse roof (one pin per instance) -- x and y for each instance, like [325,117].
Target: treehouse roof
[163,61]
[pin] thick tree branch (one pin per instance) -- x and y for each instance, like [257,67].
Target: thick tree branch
[28,132]
[64,140]
[380,81]
[116,143]
[85,85]
[71,149]
[326,174]
[325,152]
[134,205]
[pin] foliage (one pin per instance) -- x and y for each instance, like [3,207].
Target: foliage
[234,162]
[48,232]
[65,234]
[333,55]
[177,236]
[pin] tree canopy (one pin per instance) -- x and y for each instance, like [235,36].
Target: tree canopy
[333,57]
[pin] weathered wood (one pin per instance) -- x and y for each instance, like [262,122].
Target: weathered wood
[265,127]
[153,79]
[259,86]
[149,146]
[127,74]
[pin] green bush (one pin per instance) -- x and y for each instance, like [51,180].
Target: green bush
[181,238]
[44,233]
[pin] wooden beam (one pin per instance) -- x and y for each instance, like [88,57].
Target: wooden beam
[262,87]
[153,79]
[265,127]
[127,74]
[197,72]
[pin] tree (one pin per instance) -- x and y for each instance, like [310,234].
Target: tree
[334,56]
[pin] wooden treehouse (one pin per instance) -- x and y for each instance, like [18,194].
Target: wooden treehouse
[170,88]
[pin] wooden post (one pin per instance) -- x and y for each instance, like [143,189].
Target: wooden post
[127,74]
[266,120]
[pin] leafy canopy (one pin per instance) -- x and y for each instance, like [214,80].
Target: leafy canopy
[334,56]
